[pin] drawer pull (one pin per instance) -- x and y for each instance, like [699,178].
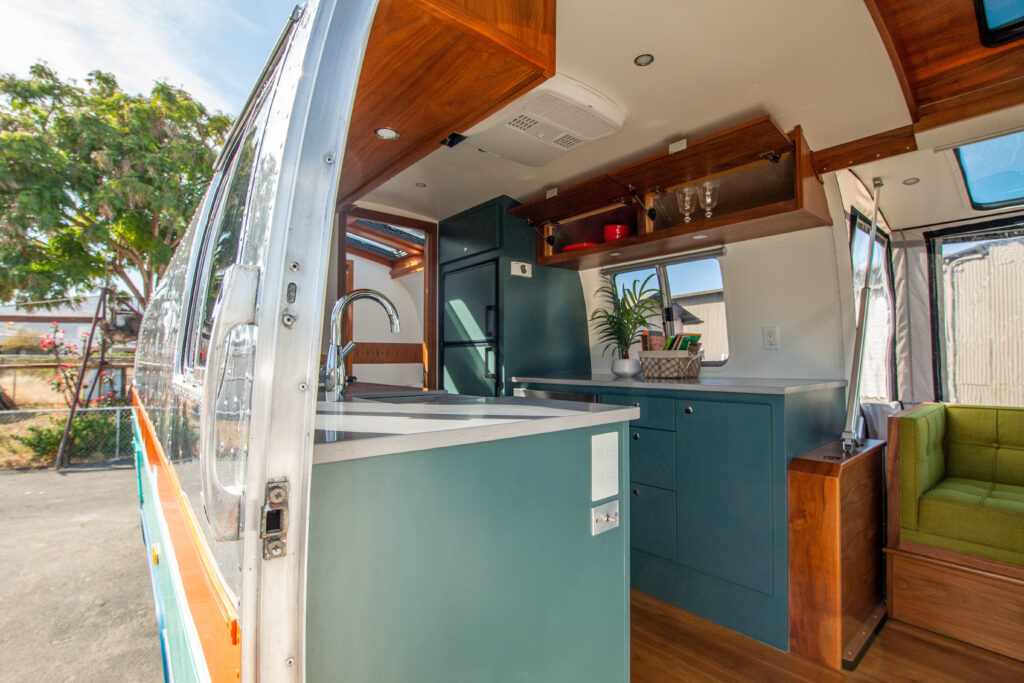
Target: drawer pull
[636,493]
[688,410]
[636,436]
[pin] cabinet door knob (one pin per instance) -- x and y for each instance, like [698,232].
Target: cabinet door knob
[636,492]
[636,436]
[688,410]
[636,404]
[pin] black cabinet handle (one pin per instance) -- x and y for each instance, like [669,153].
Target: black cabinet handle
[688,410]
[636,436]
[636,493]
[489,313]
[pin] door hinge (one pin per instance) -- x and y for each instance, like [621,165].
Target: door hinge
[274,520]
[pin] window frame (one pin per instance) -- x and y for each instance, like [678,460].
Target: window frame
[661,266]
[857,218]
[994,37]
[933,238]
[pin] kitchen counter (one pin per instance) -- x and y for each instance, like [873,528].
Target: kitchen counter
[360,427]
[710,383]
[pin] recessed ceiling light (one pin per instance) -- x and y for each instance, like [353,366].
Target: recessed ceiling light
[421,184]
[386,133]
[643,60]
[911,181]
[700,237]
[615,253]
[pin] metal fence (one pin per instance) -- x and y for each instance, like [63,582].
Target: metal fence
[31,438]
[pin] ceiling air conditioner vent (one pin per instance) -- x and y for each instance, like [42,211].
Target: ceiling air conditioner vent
[555,117]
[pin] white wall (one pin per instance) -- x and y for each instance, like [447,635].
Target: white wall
[792,281]
[370,322]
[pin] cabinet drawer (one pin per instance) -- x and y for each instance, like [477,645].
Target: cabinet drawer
[652,520]
[655,413]
[470,232]
[652,457]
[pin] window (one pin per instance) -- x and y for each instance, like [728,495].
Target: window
[694,286]
[978,313]
[999,21]
[878,366]
[993,171]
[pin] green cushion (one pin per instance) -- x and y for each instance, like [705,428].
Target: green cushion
[1010,454]
[975,511]
[922,461]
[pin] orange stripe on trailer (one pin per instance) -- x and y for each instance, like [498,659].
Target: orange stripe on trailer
[213,611]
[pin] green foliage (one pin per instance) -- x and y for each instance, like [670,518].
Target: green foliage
[627,315]
[87,170]
[93,435]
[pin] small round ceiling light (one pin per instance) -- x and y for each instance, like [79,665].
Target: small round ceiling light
[421,184]
[386,133]
[615,253]
[911,181]
[643,60]
[700,237]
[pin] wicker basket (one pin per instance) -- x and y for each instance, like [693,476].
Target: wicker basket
[670,364]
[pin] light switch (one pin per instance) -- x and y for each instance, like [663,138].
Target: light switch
[604,466]
[604,518]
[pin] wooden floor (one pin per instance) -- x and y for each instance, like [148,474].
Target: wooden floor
[669,644]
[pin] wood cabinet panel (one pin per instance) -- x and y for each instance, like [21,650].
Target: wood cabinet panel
[431,68]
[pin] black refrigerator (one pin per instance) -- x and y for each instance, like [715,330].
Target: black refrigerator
[501,315]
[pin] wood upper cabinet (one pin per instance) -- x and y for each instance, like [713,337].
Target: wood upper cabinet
[767,186]
[433,67]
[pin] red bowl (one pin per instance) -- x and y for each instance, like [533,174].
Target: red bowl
[579,245]
[615,232]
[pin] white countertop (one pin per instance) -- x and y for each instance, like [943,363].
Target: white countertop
[706,383]
[361,428]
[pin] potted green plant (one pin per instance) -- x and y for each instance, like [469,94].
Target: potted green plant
[620,324]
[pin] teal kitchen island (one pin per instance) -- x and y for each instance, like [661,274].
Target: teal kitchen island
[459,538]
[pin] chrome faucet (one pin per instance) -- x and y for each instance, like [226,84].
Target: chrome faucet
[334,369]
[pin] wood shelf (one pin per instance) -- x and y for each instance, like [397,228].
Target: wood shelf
[759,197]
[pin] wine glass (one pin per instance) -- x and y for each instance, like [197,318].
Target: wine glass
[707,195]
[687,199]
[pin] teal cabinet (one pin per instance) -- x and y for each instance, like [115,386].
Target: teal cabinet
[708,523]
[724,485]
[470,307]
[652,526]
[652,457]
[655,413]
[470,370]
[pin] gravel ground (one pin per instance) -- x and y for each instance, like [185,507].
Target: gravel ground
[76,602]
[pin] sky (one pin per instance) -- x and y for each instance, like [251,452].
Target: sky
[214,49]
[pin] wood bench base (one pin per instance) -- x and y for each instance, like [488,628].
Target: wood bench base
[979,606]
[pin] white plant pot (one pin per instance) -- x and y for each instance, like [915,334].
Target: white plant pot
[626,367]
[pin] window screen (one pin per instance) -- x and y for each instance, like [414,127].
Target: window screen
[978,320]
[877,369]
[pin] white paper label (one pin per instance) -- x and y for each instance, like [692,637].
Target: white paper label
[604,466]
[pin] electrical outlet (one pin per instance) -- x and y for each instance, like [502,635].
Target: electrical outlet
[771,337]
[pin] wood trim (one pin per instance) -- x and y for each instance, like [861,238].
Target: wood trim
[412,263]
[872,148]
[389,218]
[968,105]
[430,308]
[810,188]
[385,353]
[369,255]
[45,319]
[981,565]
[387,240]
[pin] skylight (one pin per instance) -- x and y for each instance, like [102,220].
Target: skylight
[375,247]
[1000,21]
[994,171]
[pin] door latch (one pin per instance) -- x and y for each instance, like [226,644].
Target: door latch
[274,520]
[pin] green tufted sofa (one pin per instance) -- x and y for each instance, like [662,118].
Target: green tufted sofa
[961,488]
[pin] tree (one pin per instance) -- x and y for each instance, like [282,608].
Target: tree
[93,178]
